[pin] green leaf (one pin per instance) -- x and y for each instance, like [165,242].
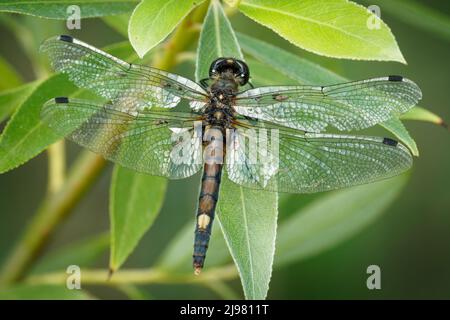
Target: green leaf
[307,72]
[58,9]
[299,69]
[10,78]
[421,114]
[416,14]
[248,228]
[334,218]
[263,75]
[135,201]
[42,292]
[12,98]
[153,20]
[395,126]
[25,135]
[217,39]
[334,28]
[249,221]
[82,253]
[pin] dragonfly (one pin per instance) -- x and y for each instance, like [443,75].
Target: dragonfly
[273,138]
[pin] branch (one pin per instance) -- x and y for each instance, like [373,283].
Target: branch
[56,166]
[136,276]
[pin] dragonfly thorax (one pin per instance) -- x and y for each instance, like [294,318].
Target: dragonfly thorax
[223,90]
[224,86]
[219,114]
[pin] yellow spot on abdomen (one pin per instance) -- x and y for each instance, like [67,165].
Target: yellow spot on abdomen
[203,221]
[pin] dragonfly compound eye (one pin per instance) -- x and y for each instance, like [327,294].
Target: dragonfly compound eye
[238,67]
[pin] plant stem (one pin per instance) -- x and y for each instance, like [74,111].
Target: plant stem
[56,166]
[53,209]
[136,276]
[57,206]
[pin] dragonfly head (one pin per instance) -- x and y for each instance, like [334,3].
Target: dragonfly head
[237,68]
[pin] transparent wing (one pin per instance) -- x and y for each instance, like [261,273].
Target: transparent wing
[284,161]
[157,143]
[348,106]
[128,86]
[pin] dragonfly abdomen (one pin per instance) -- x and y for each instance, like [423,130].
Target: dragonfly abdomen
[209,194]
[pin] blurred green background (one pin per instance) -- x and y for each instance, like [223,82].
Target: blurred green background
[410,242]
